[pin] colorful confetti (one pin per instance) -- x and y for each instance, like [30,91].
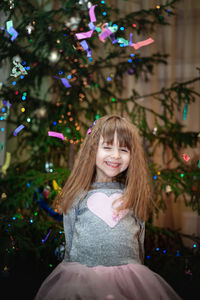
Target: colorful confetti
[185,157]
[19,128]
[185,112]
[14,33]
[56,187]
[44,240]
[56,134]
[108,31]
[7,163]
[142,43]
[64,81]
[86,48]
[11,30]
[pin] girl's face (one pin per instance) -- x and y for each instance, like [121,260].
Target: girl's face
[111,160]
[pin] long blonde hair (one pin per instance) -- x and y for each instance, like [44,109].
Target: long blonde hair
[138,187]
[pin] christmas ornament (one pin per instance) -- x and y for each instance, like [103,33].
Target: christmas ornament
[29,28]
[41,112]
[84,4]
[11,4]
[155,130]
[5,109]
[54,56]
[60,252]
[168,189]
[46,191]
[18,69]
[39,198]
[73,23]
[49,167]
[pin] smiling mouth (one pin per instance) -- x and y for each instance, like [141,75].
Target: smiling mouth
[112,165]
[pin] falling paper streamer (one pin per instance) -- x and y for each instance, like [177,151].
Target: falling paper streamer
[88,34]
[86,48]
[55,185]
[14,33]
[9,24]
[7,163]
[84,35]
[11,30]
[106,33]
[64,81]
[19,128]
[92,14]
[185,112]
[56,134]
[92,26]
[123,41]
[142,43]
[186,157]
[43,241]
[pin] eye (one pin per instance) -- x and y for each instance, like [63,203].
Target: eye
[124,149]
[106,147]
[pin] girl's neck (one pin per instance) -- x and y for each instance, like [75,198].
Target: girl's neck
[110,184]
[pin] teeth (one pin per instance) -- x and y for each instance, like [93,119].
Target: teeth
[112,164]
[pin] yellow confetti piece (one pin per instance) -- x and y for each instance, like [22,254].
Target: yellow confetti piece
[7,163]
[55,186]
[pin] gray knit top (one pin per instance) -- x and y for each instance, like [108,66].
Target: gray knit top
[95,236]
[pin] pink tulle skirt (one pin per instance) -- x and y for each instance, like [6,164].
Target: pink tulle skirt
[71,280]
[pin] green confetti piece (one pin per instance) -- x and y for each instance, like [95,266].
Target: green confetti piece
[199,164]
[185,112]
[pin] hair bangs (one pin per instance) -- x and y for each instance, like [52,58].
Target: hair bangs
[119,126]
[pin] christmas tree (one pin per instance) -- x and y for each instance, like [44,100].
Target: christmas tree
[66,64]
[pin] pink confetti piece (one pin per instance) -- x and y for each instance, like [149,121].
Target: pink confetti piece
[64,81]
[92,14]
[84,35]
[89,131]
[142,43]
[185,157]
[105,34]
[14,33]
[56,134]
[18,129]
[88,34]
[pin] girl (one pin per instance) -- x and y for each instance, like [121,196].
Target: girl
[105,202]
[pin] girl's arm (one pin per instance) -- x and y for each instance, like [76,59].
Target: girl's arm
[69,222]
[141,236]
[141,240]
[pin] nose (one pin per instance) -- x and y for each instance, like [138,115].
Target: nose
[116,153]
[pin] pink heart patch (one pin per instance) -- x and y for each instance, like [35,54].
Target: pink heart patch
[101,205]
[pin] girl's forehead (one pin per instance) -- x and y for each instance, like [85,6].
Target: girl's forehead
[107,138]
[114,138]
